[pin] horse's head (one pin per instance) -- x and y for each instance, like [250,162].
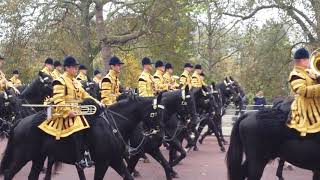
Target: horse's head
[99,109]
[154,115]
[92,88]
[207,100]
[39,89]
[217,99]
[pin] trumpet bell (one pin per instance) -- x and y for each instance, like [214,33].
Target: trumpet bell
[315,61]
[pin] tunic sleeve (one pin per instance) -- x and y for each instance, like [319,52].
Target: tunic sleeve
[299,86]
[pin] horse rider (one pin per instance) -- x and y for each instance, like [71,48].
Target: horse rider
[196,80]
[4,83]
[304,112]
[97,76]
[82,76]
[159,81]
[64,121]
[202,77]
[110,84]
[185,78]
[146,85]
[48,66]
[168,78]
[58,70]
[15,78]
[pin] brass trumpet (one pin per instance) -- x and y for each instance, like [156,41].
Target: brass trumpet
[315,62]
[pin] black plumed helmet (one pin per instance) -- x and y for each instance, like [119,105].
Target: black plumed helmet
[115,61]
[70,61]
[301,53]
[15,71]
[96,72]
[56,64]
[82,67]
[146,61]
[197,66]
[158,63]
[188,65]
[168,66]
[49,61]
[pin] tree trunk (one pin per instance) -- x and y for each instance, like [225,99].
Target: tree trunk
[85,37]
[105,48]
[210,39]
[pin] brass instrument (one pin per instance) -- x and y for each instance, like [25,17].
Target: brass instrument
[80,110]
[315,62]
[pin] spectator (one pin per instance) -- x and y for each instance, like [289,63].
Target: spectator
[259,101]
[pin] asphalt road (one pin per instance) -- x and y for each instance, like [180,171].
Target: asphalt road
[206,164]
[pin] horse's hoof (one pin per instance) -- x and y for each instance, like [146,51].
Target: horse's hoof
[174,174]
[222,149]
[200,141]
[136,174]
[225,142]
[196,148]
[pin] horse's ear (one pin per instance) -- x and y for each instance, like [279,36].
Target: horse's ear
[159,97]
[187,89]
[231,78]
[204,88]
[213,84]
[40,73]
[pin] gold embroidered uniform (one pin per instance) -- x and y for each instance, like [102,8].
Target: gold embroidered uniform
[82,77]
[146,85]
[56,74]
[47,71]
[66,90]
[110,88]
[159,82]
[97,79]
[15,81]
[185,79]
[4,83]
[170,80]
[305,110]
[196,80]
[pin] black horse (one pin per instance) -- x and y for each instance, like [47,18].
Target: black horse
[228,91]
[263,136]
[182,127]
[92,88]
[175,101]
[105,139]
[210,109]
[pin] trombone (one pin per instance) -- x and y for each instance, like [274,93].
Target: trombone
[80,110]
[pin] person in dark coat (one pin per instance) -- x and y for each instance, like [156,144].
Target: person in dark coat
[259,101]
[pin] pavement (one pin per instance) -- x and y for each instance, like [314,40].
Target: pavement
[206,164]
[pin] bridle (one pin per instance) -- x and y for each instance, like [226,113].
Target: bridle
[154,115]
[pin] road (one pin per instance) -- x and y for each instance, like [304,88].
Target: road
[206,164]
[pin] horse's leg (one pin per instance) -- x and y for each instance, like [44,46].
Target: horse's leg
[218,122]
[120,167]
[15,166]
[36,168]
[200,129]
[207,133]
[49,168]
[280,169]
[132,162]
[81,173]
[157,155]
[316,175]
[176,145]
[100,170]
[214,128]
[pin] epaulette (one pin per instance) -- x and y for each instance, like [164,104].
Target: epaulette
[156,77]
[141,79]
[59,81]
[296,73]
[106,79]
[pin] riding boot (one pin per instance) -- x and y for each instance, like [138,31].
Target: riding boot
[82,160]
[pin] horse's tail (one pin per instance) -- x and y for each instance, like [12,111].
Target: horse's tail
[7,155]
[235,152]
